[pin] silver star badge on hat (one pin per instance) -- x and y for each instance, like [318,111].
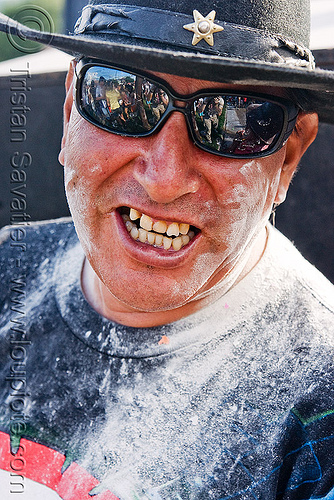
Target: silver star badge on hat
[203,27]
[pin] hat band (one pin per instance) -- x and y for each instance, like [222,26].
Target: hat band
[167,28]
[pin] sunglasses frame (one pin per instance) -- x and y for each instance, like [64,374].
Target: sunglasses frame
[290,109]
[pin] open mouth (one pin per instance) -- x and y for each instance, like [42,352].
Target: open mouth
[157,233]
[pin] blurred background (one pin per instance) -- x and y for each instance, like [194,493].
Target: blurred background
[307,215]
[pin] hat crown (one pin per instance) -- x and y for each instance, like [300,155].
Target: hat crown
[290,18]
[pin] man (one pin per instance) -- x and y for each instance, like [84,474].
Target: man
[183,349]
[212,110]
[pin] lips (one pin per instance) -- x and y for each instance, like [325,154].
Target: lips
[157,233]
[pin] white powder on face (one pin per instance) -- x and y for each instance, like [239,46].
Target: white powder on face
[245,223]
[241,216]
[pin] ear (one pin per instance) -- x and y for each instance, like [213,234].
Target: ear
[67,108]
[303,135]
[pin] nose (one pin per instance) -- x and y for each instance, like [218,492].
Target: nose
[167,170]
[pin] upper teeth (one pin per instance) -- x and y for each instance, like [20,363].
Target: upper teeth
[151,231]
[159,226]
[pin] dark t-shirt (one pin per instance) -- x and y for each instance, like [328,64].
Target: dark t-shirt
[235,401]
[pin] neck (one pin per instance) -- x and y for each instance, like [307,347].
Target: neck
[107,305]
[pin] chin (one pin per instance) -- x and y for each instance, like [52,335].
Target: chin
[153,294]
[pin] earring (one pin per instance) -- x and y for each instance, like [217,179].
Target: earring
[272,217]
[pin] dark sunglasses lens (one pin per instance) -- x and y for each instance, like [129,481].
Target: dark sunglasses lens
[236,125]
[120,101]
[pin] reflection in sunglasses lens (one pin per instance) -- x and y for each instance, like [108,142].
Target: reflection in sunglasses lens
[229,124]
[237,124]
[121,101]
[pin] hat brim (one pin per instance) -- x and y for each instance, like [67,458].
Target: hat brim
[317,84]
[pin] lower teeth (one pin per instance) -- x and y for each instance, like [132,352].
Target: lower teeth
[156,239]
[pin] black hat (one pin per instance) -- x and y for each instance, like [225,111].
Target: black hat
[262,42]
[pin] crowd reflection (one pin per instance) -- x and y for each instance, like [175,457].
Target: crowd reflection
[131,104]
[124,102]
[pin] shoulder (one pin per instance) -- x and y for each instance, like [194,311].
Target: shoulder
[299,308]
[284,291]
[284,310]
[295,275]
[26,245]
[25,250]
[34,232]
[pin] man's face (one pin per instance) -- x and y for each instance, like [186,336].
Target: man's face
[166,177]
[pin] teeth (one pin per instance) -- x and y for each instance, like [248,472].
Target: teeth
[184,228]
[142,235]
[134,233]
[160,226]
[159,240]
[167,242]
[134,214]
[146,222]
[177,243]
[173,229]
[154,232]
[151,238]
[127,222]
[185,239]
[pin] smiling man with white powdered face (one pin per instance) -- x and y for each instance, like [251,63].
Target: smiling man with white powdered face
[177,345]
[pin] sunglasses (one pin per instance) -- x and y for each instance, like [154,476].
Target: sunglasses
[223,122]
